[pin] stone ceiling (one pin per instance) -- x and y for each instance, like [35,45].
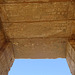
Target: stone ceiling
[38,28]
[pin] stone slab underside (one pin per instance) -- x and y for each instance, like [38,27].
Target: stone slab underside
[38,28]
[28,20]
[28,12]
[39,48]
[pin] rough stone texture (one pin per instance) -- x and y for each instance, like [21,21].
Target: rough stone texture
[73,28]
[73,10]
[70,56]
[13,1]
[44,20]
[6,58]
[2,36]
[2,40]
[37,29]
[3,64]
[39,48]
[40,11]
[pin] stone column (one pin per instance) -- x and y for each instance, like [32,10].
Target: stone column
[70,55]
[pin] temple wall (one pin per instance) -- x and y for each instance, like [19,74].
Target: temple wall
[6,58]
[6,53]
[70,56]
[42,32]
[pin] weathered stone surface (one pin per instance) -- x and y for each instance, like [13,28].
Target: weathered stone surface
[12,1]
[40,11]
[9,54]
[72,44]
[39,48]
[73,28]
[3,14]
[3,64]
[38,29]
[36,11]
[6,59]
[73,4]
[70,56]
[2,39]
[71,11]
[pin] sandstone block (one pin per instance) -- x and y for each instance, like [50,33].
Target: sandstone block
[17,1]
[40,11]
[2,39]
[3,64]
[70,56]
[9,54]
[38,29]
[36,48]
[6,59]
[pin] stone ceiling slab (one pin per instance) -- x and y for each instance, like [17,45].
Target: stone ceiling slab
[38,29]
[36,48]
[71,11]
[35,12]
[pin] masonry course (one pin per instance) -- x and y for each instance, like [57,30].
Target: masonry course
[36,29]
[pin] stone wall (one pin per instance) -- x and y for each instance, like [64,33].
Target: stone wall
[6,58]
[42,32]
[2,36]
[6,53]
[70,55]
[39,48]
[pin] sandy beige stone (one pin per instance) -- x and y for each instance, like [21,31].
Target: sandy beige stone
[38,29]
[36,11]
[3,64]
[9,54]
[6,59]
[36,48]
[70,56]
[2,40]
[73,27]
[12,1]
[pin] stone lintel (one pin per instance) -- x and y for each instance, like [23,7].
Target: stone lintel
[39,48]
